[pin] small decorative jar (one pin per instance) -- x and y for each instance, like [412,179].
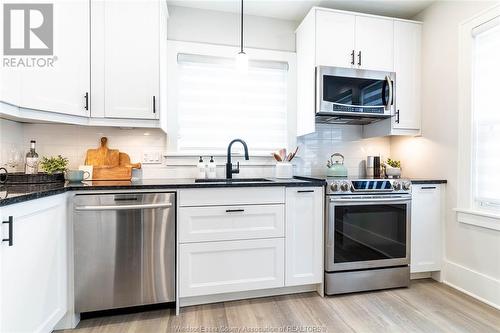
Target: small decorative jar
[284,170]
[391,172]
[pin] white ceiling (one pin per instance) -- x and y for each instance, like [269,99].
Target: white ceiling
[297,9]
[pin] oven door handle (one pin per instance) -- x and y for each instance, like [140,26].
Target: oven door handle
[123,207]
[370,200]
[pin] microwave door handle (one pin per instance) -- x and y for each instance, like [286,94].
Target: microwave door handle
[384,87]
[389,100]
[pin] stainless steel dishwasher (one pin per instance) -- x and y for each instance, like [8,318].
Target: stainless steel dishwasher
[124,250]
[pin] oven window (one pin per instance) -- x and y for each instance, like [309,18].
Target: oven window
[369,232]
[353,91]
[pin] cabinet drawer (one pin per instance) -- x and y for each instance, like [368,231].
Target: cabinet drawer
[222,267]
[231,196]
[217,223]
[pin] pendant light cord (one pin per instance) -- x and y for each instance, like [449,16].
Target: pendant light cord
[241,41]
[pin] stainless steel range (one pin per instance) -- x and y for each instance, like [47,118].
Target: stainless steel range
[367,234]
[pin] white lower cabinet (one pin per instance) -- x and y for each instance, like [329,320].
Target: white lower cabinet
[218,223]
[304,236]
[427,221]
[33,273]
[244,239]
[231,266]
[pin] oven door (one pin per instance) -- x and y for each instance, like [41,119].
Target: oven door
[354,92]
[367,232]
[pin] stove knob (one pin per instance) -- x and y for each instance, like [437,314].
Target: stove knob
[396,186]
[406,185]
[334,187]
[344,186]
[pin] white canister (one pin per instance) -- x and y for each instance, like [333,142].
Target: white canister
[284,170]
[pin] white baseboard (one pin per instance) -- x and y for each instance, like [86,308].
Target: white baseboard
[475,284]
[197,300]
[420,275]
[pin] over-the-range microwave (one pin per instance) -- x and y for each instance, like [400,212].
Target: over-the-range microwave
[353,96]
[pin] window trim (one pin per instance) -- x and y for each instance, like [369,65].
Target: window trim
[176,47]
[468,211]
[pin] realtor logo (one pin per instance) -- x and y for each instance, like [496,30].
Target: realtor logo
[28,29]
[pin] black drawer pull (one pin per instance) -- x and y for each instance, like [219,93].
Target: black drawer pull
[305,191]
[234,210]
[10,239]
[428,187]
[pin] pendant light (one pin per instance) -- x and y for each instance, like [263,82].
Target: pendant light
[241,57]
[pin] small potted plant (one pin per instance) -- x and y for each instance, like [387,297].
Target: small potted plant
[392,168]
[53,165]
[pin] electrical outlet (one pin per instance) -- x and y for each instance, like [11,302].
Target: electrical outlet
[151,157]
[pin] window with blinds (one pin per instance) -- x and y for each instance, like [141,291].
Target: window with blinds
[486,115]
[217,103]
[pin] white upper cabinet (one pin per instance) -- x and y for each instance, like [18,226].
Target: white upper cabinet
[335,39]
[407,65]
[115,47]
[63,86]
[131,59]
[374,43]
[306,62]
[407,58]
[346,40]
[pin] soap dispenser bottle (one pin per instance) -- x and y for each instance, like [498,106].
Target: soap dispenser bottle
[201,169]
[212,169]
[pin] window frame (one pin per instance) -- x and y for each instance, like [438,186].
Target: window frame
[468,211]
[176,47]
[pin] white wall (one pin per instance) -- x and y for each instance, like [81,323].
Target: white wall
[472,253]
[206,26]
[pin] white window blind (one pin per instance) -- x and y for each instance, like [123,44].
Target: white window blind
[486,117]
[216,104]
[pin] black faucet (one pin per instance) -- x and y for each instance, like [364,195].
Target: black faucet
[229,166]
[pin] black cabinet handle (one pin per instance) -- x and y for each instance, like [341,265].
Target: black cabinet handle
[154,104]
[352,57]
[234,210]
[428,187]
[305,191]
[397,116]
[87,101]
[359,58]
[10,239]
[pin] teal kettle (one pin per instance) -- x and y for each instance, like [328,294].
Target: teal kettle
[336,168]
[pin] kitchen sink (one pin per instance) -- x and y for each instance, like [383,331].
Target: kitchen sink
[233,180]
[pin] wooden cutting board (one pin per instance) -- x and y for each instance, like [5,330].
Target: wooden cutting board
[109,164]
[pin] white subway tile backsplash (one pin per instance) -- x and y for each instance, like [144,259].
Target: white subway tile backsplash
[315,149]
[72,141]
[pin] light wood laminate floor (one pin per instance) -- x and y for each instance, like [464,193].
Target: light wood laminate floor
[426,306]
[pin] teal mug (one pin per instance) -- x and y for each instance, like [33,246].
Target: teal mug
[74,176]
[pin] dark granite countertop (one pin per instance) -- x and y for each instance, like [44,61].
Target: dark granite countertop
[10,194]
